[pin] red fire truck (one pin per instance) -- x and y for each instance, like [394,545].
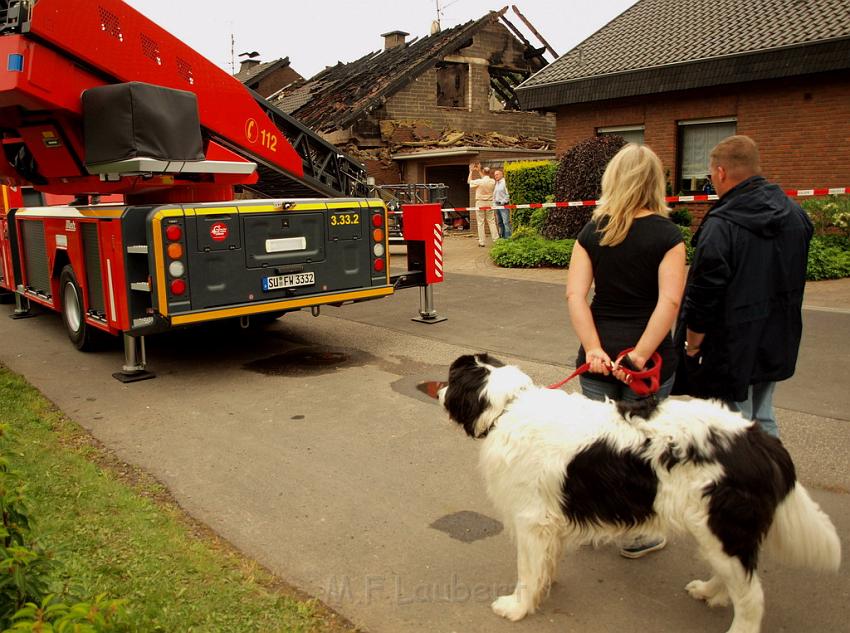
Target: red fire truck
[95,101]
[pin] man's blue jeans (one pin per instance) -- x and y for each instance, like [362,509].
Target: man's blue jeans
[759,407]
[503,216]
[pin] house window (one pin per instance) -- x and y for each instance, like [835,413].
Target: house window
[696,140]
[632,133]
[503,83]
[452,81]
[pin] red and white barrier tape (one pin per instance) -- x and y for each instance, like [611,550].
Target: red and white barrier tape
[794,193]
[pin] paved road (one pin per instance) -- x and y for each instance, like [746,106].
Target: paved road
[309,447]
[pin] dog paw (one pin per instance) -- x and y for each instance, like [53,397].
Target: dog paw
[509,607]
[710,592]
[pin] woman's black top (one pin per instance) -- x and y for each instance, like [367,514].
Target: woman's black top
[626,286]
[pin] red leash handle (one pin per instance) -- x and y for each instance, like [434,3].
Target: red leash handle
[644,382]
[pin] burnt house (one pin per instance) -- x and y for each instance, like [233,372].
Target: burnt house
[420,110]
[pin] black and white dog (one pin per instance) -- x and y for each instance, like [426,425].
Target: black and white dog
[565,471]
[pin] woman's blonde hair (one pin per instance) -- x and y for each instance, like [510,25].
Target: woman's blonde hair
[633,181]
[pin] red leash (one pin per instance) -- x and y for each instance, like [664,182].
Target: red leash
[643,383]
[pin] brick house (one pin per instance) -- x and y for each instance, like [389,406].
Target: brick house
[266,78]
[681,76]
[419,111]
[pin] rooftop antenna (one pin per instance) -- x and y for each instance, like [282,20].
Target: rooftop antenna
[232,51]
[441,8]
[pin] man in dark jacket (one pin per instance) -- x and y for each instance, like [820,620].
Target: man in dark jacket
[741,319]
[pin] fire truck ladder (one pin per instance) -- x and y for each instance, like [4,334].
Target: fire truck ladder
[327,171]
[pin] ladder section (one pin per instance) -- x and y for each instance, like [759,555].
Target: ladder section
[327,170]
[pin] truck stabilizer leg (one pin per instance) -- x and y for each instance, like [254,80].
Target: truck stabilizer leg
[22,308]
[427,313]
[423,232]
[133,369]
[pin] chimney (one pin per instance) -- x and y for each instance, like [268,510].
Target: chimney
[248,64]
[394,39]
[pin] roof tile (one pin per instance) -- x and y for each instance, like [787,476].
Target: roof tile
[655,33]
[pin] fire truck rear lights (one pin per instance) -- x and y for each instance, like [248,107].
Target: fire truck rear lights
[175,251]
[377,220]
[178,286]
[378,235]
[173,232]
[378,249]
[379,265]
[176,269]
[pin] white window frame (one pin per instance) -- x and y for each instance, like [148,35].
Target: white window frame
[691,172]
[614,129]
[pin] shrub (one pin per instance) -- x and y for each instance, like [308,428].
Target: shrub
[828,259]
[24,565]
[682,217]
[26,603]
[526,249]
[98,616]
[828,214]
[579,177]
[687,236]
[538,218]
[529,181]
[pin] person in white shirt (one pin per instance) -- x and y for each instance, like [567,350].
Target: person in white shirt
[480,181]
[501,197]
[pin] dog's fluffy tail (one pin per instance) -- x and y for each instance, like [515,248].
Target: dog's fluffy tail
[802,535]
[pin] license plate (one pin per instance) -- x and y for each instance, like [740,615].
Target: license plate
[288,281]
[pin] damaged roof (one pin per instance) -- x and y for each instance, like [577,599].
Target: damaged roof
[664,45]
[339,95]
[258,71]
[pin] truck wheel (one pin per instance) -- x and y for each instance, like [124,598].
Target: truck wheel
[73,312]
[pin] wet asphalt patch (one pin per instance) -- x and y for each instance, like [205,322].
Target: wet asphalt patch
[467,526]
[307,361]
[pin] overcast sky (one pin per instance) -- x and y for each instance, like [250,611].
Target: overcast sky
[318,33]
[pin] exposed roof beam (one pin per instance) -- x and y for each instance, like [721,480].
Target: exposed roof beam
[533,30]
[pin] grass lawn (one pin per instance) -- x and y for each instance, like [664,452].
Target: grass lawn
[113,529]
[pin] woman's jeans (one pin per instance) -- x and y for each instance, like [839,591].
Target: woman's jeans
[596,389]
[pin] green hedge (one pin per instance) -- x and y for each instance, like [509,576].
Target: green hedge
[829,256]
[529,181]
[528,249]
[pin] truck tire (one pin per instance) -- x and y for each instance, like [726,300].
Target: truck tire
[81,334]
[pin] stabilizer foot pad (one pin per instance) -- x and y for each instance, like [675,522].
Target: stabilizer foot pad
[430,320]
[135,376]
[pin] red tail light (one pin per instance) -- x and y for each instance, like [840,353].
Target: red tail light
[173,232]
[379,265]
[178,286]
[378,220]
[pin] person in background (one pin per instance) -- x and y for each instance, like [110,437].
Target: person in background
[501,197]
[708,188]
[479,180]
[741,321]
[635,257]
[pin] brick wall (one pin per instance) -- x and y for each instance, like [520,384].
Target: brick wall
[802,124]
[276,80]
[491,45]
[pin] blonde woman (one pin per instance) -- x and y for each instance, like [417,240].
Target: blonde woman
[634,256]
